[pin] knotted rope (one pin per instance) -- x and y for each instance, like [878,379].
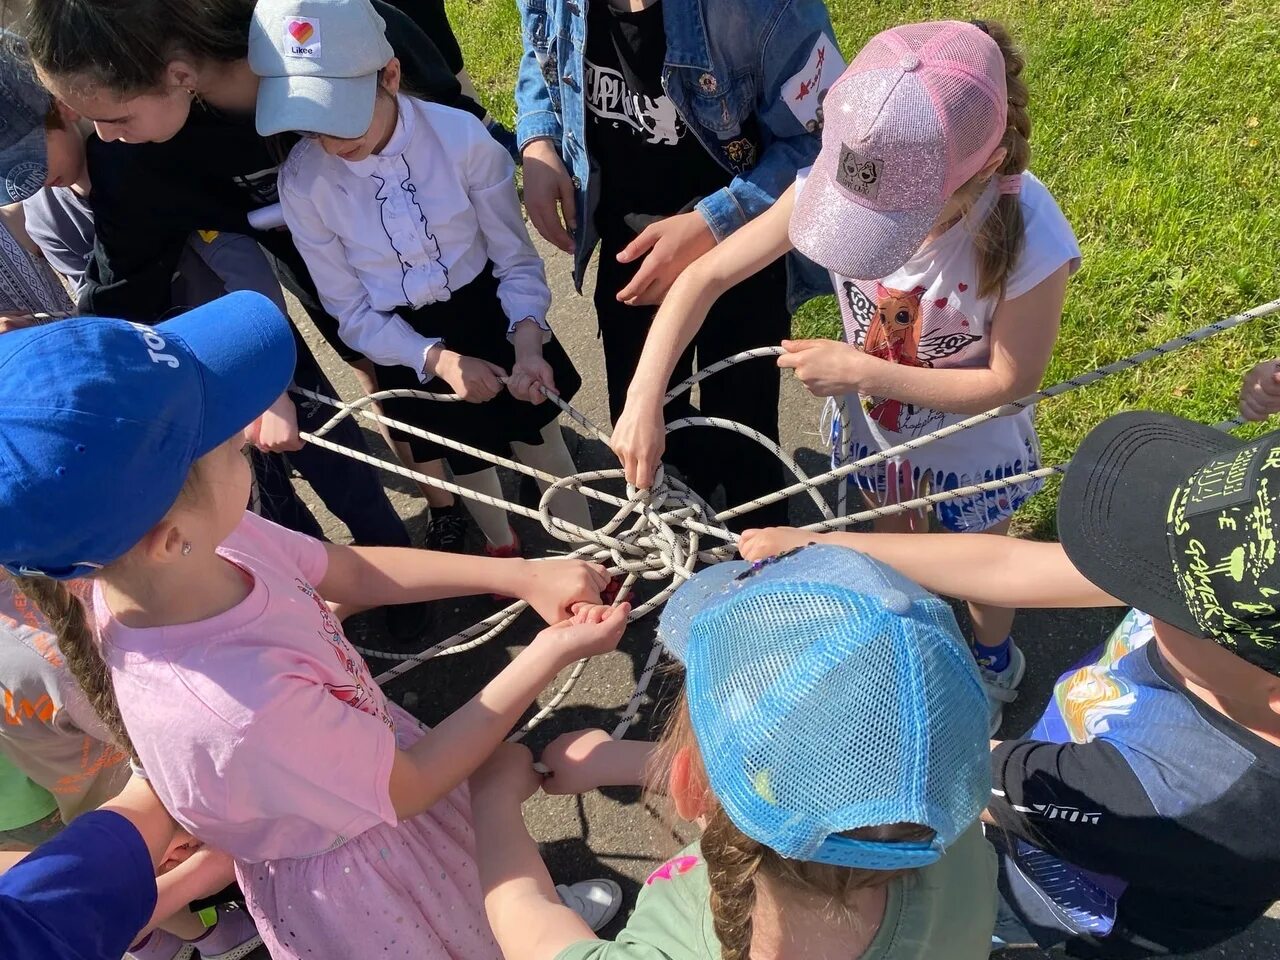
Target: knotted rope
[662,533]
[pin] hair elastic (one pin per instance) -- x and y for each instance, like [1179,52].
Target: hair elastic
[1010,185]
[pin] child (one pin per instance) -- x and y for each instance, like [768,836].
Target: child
[408,218]
[659,129]
[835,758]
[259,727]
[950,266]
[90,891]
[1120,812]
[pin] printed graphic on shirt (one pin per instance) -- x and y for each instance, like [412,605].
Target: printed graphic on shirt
[610,100]
[805,91]
[899,326]
[361,692]
[672,869]
[1077,901]
[302,37]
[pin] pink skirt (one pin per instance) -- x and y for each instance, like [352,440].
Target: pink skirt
[410,890]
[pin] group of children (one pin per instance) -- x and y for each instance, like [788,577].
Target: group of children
[173,663]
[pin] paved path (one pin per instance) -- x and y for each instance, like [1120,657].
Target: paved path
[618,833]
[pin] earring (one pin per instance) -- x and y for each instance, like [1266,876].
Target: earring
[186,548]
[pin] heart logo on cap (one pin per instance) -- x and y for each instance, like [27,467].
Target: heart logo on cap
[301,31]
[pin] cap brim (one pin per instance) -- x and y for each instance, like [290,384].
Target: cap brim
[25,165]
[335,107]
[844,236]
[246,351]
[689,600]
[1114,504]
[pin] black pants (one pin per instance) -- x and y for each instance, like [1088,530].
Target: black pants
[752,314]
[350,489]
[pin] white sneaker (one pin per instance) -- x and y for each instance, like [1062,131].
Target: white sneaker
[1002,686]
[595,901]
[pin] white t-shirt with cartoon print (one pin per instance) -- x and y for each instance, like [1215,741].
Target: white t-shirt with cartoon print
[928,314]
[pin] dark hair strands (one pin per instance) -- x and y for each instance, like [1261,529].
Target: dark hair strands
[125,45]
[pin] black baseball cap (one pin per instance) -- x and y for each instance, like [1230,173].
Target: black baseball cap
[1181,520]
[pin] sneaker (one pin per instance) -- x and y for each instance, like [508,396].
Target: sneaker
[595,901]
[1002,685]
[408,624]
[161,945]
[447,530]
[233,937]
[510,551]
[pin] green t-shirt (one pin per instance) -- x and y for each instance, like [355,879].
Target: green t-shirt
[21,801]
[947,910]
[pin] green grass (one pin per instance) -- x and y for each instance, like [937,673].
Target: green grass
[1157,127]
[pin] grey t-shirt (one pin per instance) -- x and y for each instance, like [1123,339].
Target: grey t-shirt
[60,221]
[50,732]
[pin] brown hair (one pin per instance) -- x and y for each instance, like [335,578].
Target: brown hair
[69,622]
[125,45]
[736,862]
[999,239]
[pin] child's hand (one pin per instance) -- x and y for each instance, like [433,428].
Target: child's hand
[555,587]
[827,368]
[507,774]
[771,541]
[639,438]
[276,431]
[593,630]
[671,245]
[473,380]
[1260,392]
[572,763]
[531,369]
[549,194]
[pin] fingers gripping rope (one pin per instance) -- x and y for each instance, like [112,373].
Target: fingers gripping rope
[662,533]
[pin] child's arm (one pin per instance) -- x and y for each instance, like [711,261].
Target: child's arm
[1023,333]
[586,760]
[376,576]
[527,917]
[201,875]
[640,434]
[451,751]
[795,48]
[1001,571]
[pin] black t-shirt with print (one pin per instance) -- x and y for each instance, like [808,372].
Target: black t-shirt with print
[650,164]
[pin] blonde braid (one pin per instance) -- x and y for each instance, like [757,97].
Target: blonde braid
[66,616]
[733,862]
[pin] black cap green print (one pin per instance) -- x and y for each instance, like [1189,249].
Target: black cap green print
[1222,541]
[1180,520]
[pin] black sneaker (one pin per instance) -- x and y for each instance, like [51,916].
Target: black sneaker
[410,625]
[447,530]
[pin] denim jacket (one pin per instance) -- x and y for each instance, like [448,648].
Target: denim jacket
[727,60]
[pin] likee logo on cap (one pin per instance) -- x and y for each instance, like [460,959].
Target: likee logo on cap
[302,37]
[859,174]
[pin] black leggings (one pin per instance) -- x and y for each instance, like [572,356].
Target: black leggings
[752,314]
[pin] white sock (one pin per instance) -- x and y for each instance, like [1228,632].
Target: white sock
[552,456]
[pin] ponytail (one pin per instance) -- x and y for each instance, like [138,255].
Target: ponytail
[66,616]
[733,864]
[999,240]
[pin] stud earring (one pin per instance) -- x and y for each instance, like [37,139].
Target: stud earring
[186,548]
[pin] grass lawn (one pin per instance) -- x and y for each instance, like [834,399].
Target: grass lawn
[1157,127]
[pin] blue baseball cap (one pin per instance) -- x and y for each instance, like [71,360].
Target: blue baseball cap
[828,693]
[24,105]
[101,420]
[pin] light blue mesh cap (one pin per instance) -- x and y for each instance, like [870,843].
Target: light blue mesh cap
[828,693]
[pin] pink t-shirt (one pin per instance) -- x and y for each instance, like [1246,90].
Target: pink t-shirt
[261,729]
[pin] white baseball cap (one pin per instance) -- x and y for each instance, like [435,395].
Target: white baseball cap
[319,63]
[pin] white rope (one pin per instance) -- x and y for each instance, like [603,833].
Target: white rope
[657,534]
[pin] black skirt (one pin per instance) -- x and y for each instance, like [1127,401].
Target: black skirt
[472,323]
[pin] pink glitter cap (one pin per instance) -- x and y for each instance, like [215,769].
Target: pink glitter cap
[913,118]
